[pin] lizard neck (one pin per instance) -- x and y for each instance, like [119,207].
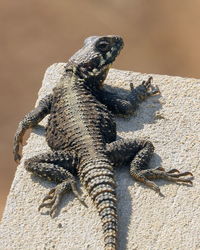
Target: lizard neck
[91,80]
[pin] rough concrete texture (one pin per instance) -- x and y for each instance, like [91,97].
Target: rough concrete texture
[146,220]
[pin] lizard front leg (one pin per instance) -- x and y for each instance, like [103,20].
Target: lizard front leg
[128,105]
[30,120]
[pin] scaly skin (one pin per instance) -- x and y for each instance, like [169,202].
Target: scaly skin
[81,132]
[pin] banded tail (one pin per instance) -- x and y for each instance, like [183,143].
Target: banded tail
[98,179]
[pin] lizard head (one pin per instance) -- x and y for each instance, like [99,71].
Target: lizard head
[94,59]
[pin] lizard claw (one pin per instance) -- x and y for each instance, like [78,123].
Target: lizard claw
[154,90]
[53,198]
[173,175]
[147,83]
[18,140]
[17,156]
[131,86]
[144,90]
[151,89]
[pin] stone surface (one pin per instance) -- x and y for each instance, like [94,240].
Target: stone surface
[146,220]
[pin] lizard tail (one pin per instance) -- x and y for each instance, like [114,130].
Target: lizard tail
[98,178]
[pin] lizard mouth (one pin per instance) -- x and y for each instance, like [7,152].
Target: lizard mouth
[100,63]
[106,63]
[102,68]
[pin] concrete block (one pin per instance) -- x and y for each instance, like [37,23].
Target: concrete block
[146,220]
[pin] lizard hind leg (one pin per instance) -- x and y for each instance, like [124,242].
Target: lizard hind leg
[54,167]
[137,153]
[139,171]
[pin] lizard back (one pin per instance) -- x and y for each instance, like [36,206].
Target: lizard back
[77,123]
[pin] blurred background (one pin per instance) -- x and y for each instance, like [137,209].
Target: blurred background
[160,37]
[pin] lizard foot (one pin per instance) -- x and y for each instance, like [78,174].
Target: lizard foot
[145,89]
[53,198]
[151,89]
[174,175]
[16,146]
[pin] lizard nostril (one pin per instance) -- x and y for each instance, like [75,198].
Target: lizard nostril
[119,42]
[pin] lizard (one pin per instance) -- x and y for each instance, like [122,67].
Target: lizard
[81,133]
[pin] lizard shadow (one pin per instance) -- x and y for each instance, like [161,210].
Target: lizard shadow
[124,188]
[39,130]
[124,212]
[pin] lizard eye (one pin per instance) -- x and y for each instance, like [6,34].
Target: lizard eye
[103,46]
